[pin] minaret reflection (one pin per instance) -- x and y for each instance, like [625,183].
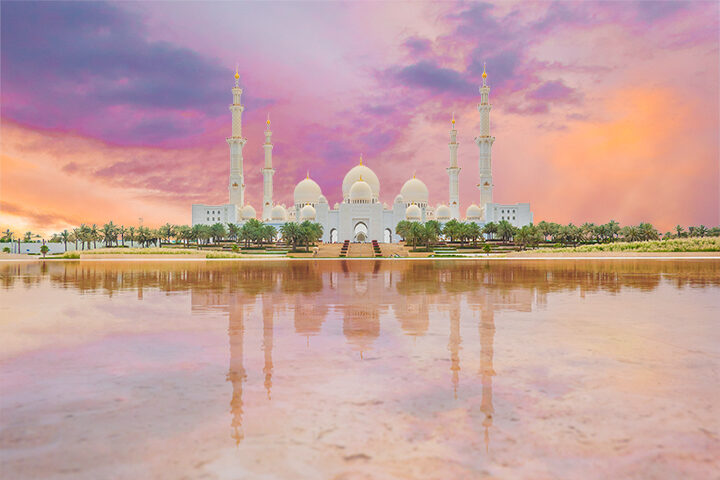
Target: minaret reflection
[487,339]
[454,345]
[236,373]
[268,332]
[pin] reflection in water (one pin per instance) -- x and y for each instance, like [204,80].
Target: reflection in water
[360,294]
[236,373]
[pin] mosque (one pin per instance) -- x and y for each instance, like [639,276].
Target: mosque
[360,216]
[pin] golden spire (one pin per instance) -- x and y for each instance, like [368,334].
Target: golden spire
[361,178]
[453,119]
[268,122]
[237,74]
[484,75]
[361,159]
[307,174]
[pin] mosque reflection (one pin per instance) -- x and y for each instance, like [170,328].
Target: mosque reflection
[360,293]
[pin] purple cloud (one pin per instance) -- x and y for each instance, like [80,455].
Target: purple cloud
[438,80]
[555,91]
[94,72]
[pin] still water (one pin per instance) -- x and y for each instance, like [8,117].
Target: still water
[360,369]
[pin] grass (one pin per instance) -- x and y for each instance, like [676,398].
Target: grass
[141,251]
[697,244]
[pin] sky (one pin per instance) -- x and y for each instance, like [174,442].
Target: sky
[119,111]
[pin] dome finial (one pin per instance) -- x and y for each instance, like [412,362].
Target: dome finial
[361,159]
[307,174]
[484,75]
[453,118]
[237,75]
[361,178]
[268,121]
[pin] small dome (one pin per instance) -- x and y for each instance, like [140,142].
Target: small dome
[278,213]
[443,212]
[307,191]
[322,199]
[399,199]
[361,191]
[413,213]
[355,174]
[473,212]
[248,212]
[414,191]
[307,213]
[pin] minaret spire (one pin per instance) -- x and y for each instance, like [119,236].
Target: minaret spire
[454,173]
[485,142]
[236,142]
[267,173]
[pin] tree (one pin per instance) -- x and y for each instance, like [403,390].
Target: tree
[546,229]
[451,229]
[65,236]
[310,232]
[415,233]
[7,236]
[184,233]
[680,231]
[233,231]
[630,233]
[217,232]
[403,229]
[269,233]
[431,233]
[505,230]
[613,228]
[76,236]
[490,229]
[94,235]
[528,235]
[648,232]
[109,233]
[131,236]
[121,230]
[166,232]
[44,250]
[474,232]
[291,233]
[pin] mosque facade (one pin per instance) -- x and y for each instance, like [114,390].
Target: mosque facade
[360,216]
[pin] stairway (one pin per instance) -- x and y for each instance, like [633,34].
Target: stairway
[361,250]
[344,248]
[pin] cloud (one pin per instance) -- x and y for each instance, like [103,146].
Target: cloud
[436,79]
[94,72]
[554,92]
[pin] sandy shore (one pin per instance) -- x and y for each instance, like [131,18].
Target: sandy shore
[536,254]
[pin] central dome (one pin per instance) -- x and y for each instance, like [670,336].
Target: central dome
[414,191]
[361,191]
[367,175]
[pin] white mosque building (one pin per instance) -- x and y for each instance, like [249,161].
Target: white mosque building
[360,216]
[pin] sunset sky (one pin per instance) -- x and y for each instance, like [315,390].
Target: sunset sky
[116,111]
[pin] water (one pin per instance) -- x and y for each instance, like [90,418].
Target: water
[360,369]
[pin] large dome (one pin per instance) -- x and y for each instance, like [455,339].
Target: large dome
[248,212]
[414,191]
[361,191]
[473,212]
[307,213]
[278,213]
[443,212]
[307,191]
[413,213]
[367,175]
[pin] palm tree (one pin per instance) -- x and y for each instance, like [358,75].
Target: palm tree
[451,229]
[490,229]
[65,236]
[8,235]
[109,231]
[474,232]
[233,231]
[131,232]
[291,233]
[166,231]
[431,233]
[94,235]
[505,230]
[217,232]
[403,229]
[680,231]
[44,250]
[121,230]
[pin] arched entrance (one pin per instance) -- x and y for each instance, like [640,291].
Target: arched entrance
[387,237]
[360,233]
[333,235]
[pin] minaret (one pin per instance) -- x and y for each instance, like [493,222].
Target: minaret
[484,142]
[236,142]
[453,173]
[268,173]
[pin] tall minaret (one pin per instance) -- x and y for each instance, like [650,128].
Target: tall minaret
[268,173]
[484,141]
[236,142]
[453,173]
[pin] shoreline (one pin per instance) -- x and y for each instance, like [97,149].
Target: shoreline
[518,256]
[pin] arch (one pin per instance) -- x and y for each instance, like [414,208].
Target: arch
[333,235]
[387,237]
[360,232]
